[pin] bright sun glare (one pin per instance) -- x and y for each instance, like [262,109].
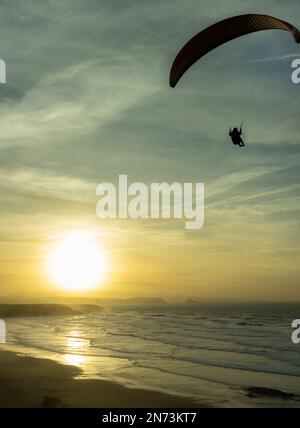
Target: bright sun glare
[77,262]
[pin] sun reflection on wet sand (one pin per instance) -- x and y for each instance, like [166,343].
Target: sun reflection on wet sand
[74,343]
[78,353]
[75,360]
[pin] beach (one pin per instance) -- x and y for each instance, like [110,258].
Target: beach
[167,355]
[28,382]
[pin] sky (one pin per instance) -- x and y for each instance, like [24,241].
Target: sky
[87,99]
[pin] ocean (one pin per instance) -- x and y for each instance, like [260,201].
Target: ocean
[224,355]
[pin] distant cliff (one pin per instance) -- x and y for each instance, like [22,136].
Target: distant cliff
[36,310]
[134,301]
[191,302]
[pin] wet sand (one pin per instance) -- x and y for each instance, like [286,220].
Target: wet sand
[37,382]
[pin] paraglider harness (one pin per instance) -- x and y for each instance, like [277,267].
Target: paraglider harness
[236,136]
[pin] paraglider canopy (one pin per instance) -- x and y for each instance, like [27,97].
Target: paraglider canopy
[223,32]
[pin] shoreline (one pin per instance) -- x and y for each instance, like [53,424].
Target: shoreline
[28,382]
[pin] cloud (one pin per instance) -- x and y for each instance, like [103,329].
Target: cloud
[36,183]
[75,101]
[274,58]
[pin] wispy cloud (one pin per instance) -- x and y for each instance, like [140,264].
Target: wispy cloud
[45,184]
[274,58]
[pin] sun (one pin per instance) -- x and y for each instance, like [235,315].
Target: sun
[77,262]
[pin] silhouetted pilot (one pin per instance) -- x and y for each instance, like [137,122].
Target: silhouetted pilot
[235,135]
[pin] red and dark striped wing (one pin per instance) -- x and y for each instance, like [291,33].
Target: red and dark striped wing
[223,32]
